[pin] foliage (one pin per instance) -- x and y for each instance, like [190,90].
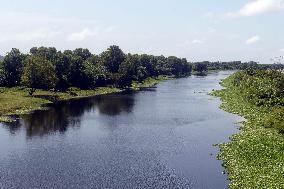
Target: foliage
[262,87]
[112,58]
[96,74]
[83,53]
[149,63]
[255,157]
[238,65]
[49,53]
[200,67]
[13,67]
[39,73]
[76,76]
[82,69]
[132,69]
[62,67]
[275,119]
[179,67]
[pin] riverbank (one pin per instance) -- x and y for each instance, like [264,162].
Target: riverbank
[16,101]
[255,157]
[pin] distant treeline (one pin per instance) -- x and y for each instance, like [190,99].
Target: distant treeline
[238,65]
[47,68]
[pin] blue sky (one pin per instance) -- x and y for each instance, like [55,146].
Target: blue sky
[198,30]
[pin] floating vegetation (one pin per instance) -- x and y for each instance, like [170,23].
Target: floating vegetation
[255,157]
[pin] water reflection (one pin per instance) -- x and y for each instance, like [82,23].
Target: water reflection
[59,117]
[201,74]
[113,105]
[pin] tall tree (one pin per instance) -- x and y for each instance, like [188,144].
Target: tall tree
[96,74]
[38,73]
[83,53]
[200,67]
[13,67]
[148,63]
[62,67]
[131,69]
[49,53]
[112,58]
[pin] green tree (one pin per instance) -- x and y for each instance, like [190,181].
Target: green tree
[62,67]
[186,68]
[175,65]
[13,67]
[200,67]
[38,73]
[148,62]
[131,69]
[112,58]
[96,74]
[77,75]
[79,68]
[60,60]
[83,53]
[49,53]
[161,66]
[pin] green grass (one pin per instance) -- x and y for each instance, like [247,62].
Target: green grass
[16,101]
[149,82]
[255,157]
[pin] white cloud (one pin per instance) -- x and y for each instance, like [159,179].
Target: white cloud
[253,40]
[258,7]
[25,36]
[281,50]
[109,29]
[82,35]
[197,41]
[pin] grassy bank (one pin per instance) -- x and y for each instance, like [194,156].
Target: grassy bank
[16,101]
[149,82]
[255,157]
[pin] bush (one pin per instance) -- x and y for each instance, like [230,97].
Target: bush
[262,87]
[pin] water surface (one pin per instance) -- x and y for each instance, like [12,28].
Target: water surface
[161,137]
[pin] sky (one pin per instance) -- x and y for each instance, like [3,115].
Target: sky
[199,30]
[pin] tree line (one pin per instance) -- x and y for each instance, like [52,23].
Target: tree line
[238,65]
[47,68]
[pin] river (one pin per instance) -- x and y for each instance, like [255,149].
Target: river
[161,137]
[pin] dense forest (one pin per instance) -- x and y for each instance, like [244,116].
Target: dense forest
[46,68]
